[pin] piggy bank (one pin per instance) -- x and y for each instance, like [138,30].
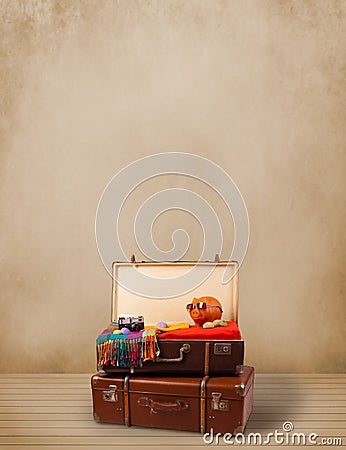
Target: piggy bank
[204,309]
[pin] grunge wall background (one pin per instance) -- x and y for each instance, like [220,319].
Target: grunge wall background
[87,87]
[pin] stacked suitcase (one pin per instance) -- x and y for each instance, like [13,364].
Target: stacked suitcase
[193,384]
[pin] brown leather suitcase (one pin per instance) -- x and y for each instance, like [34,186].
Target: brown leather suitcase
[208,404]
[181,356]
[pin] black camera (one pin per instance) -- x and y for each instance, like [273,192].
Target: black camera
[131,323]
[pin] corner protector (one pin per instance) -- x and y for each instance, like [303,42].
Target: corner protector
[240,389]
[238,430]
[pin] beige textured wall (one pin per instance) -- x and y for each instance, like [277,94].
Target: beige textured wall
[89,86]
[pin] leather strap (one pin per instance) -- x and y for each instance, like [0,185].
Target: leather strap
[127,401]
[202,403]
[206,357]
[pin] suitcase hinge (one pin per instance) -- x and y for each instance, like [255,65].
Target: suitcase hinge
[240,389]
[217,404]
[111,395]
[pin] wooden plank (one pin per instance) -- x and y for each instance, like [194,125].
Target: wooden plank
[60,383]
[256,415]
[86,396]
[326,417]
[46,388]
[44,381]
[337,432]
[314,403]
[115,446]
[283,396]
[102,430]
[86,423]
[46,409]
[201,446]
[45,397]
[65,446]
[317,403]
[294,383]
[35,399]
[262,416]
[82,424]
[107,439]
[273,409]
[44,375]
[298,409]
[86,390]
[259,376]
[264,387]
[299,380]
[47,416]
[322,388]
[121,439]
[75,378]
[50,402]
[50,383]
[301,375]
[120,429]
[298,424]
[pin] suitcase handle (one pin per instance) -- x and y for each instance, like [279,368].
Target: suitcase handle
[156,407]
[185,348]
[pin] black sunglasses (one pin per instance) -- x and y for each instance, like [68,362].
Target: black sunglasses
[201,305]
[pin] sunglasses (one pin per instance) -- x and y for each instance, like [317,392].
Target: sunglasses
[200,305]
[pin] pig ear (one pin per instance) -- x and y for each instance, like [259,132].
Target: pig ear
[194,299]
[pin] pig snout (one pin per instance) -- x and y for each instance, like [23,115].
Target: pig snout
[195,314]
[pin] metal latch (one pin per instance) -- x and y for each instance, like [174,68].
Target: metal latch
[217,404]
[111,395]
[222,349]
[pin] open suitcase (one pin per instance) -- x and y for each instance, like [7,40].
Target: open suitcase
[211,352]
[204,404]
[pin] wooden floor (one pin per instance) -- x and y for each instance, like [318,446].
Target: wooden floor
[54,411]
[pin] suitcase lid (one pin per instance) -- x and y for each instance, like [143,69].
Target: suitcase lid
[231,388]
[103,382]
[175,386]
[173,309]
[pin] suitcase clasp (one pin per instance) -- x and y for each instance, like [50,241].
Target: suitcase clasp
[217,404]
[111,395]
[222,349]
